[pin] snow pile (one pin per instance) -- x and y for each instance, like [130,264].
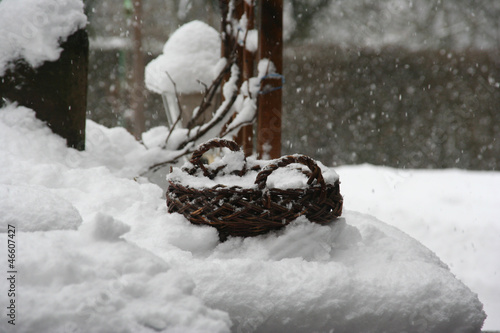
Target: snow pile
[89,279]
[132,267]
[33,29]
[33,209]
[85,281]
[356,275]
[189,57]
[455,213]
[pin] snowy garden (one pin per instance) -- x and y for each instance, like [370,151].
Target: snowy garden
[89,245]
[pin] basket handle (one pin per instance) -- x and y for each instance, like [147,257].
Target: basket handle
[261,178]
[203,148]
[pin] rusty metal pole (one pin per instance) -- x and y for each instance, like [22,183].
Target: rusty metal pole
[270,101]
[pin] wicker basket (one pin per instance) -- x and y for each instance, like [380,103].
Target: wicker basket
[237,211]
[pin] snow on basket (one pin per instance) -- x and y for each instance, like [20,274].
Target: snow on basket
[234,194]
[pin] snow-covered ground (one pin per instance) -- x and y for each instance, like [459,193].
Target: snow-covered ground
[96,250]
[455,213]
[88,246]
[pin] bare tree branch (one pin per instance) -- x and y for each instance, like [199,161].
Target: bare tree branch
[179,117]
[209,95]
[196,133]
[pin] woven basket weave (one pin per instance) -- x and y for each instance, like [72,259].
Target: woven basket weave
[237,211]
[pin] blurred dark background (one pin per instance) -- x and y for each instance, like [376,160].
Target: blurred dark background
[397,83]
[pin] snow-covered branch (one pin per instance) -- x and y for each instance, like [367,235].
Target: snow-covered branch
[239,104]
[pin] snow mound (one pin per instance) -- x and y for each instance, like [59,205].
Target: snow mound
[453,212]
[357,275]
[155,137]
[132,267]
[106,228]
[190,55]
[78,285]
[32,29]
[34,209]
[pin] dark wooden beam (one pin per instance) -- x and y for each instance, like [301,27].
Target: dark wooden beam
[56,90]
[245,135]
[137,98]
[270,100]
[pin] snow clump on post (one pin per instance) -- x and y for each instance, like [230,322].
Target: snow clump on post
[189,57]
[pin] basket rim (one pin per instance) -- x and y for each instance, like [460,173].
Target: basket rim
[253,188]
[314,174]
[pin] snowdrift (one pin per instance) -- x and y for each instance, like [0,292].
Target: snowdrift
[110,259]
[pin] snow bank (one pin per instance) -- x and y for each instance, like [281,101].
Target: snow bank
[455,213]
[354,276]
[131,267]
[79,281]
[89,279]
[33,29]
[189,56]
[33,209]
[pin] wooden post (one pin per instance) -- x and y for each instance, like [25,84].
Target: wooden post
[56,91]
[230,43]
[138,65]
[245,135]
[225,47]
[269,103]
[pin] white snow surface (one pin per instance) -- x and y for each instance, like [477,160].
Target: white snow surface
[33,29]
[36,209]
[132,267]
[455,213]
[189,56]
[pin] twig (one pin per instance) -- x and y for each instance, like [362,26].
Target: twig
[171,131]
[209,95]
[176,93]
[190,140]
[212,90]
[179,117]
[155,167]
[203,84]
[223,111]
[237,126]
[212,123]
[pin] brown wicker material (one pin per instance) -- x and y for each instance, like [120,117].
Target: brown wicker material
[237,211]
